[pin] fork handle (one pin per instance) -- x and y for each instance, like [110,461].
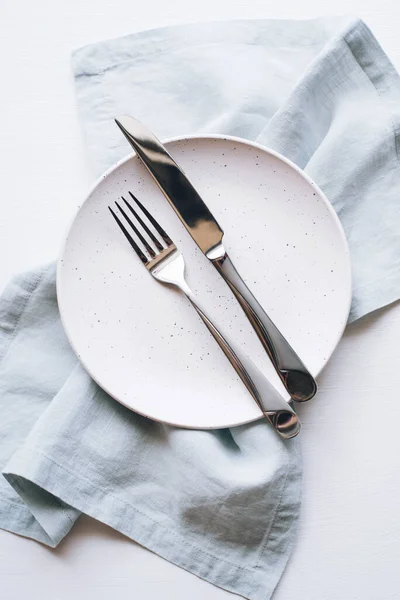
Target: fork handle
[275,408]
[296,378]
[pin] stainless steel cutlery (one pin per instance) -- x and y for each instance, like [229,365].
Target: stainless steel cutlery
[165,262]
[208,235]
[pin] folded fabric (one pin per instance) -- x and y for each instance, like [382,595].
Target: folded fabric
[222,504]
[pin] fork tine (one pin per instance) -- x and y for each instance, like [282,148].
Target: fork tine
[136,230]
[143,224]
[130,239]
[156,226]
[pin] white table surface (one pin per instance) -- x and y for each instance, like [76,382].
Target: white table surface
[348,546]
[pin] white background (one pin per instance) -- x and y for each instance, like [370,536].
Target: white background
[348,547]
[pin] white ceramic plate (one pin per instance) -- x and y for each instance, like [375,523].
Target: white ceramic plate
[143,343]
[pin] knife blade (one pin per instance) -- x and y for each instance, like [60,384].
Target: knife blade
[184,198]
[208,235]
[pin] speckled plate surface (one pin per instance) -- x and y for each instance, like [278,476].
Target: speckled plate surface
[143,343]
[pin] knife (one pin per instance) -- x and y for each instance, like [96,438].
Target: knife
[208,234]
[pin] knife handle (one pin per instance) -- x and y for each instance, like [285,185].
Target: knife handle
[274,407]
[296,378]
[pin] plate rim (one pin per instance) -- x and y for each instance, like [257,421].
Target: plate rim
[183,138]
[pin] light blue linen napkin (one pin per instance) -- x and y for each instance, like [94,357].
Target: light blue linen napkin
[221,504]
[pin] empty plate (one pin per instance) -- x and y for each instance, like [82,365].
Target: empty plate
[143,342]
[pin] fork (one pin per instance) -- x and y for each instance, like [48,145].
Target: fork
[166,264]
